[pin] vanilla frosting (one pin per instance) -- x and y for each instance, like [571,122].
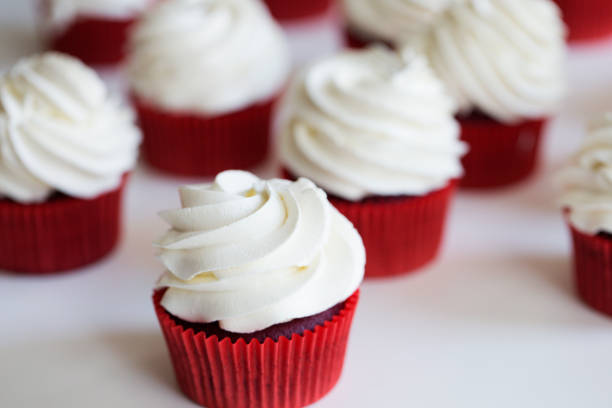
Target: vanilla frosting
[371,122]
[250,253]
[505,58]
[61,131]
[210,56]
[395,21]
[61,12]
[587,181]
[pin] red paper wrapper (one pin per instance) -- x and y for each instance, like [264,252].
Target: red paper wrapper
[61,234]
[499,154]
[94,40]
[195,145]
[400,234]
[587,20]
[288,373]
[354,39]
[593,269]
[288,10]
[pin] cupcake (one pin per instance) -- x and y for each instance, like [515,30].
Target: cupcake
[292,10]
[94,31]
[376,130]
[587,20]
[66,148]
[587,201]
[204,76]
[260,291]
[504,62]
[391,22]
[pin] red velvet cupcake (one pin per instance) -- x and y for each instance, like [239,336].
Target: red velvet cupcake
[63,162]
[375,129]
[262,276]
[287,11]
[506,88]
[587,20]
[96,32]
[213,112]
[587,194]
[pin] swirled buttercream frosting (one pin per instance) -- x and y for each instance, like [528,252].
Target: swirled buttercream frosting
[371,122]
[250,254]
[505,58]
[395,21]
[61,131]
[208,56]
[587,181]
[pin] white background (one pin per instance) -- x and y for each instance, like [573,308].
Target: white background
[494,323]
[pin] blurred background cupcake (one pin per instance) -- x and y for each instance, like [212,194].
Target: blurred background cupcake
[296,10]
[504,62]
[66,147]
[587,20]
[95,31]
[375,129]
[587,202]
[263,275]
[204,76]
[391,22]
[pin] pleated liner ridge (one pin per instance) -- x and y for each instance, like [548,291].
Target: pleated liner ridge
[287,10]
[196,145]
[499,154]
[593,269]
[59,235]
[288,373]
[400,234]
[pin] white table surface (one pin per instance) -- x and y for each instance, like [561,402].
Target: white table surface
[493,323]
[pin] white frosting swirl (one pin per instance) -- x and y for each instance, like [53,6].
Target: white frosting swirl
[587,181]
[371,122]
[60,131]
[503,57]
[393,20]
[62,12]
[250,253]
[211,56]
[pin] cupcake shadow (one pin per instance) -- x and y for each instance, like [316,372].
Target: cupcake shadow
[72,370]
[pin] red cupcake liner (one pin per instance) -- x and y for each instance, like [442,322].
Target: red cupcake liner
[587,20]
[593,269]
[61,234]
[288,10]
[287,373]
[500,155]
[195,145]
[94,40]
[400,234]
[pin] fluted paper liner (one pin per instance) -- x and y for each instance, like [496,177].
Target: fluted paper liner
[287,373]
[593,269]
[288,10]
[59,235]
[191,144]
[587,20]
[500,154]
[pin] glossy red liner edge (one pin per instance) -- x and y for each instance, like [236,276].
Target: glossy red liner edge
[400,234]
[288,10]
[500,154]
[195,145]
[59,235]
[288,373]
[593,269]
[587,20]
